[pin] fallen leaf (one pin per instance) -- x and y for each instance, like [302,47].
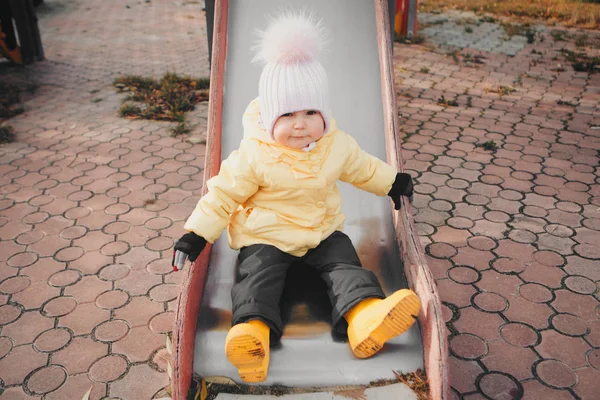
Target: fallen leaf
[86,396]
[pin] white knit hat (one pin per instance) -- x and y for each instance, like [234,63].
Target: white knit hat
[292,78]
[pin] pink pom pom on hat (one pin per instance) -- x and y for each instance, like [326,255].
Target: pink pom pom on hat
[292,78]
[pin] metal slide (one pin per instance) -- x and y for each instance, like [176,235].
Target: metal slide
[362,97]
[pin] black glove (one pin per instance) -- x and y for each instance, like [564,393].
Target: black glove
[402,186]
[188,246]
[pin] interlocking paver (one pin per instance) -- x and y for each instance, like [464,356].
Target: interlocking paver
[533,390]
[80,354]
[534,314]
[84,318]
[461,372]
[25,329]
[46,379]
[551,277]
[555,374]
[6,345]
[139,311]
[76,386]
[141,381]
[487,328]
[19,363]
[52,340]
[138,282]
[109,368]
[570,350]
[17,393]
[139,344]
[500,355]
[490,302]
[580,305]
[468,346]
[587,382]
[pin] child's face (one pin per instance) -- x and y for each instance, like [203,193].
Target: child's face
[298,129]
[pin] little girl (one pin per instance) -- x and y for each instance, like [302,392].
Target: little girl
[277,196]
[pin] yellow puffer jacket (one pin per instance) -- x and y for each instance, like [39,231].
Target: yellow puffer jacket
[268,193]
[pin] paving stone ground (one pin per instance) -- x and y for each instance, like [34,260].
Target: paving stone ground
[511,234]
[464,29]
[91,203]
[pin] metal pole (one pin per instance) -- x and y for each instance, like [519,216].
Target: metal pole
[411,20]
[209,6]
[392,17]
[28,31]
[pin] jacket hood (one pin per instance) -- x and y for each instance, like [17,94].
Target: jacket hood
[254,130]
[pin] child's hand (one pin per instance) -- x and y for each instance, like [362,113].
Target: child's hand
[188,246]
[402,186]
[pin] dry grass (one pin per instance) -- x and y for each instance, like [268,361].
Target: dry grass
[417,381]
[210,388]
[579,13]
[7,135]
[444,102]
[167,99]
[11,105]
[500,90]
[581,62]
[10,101]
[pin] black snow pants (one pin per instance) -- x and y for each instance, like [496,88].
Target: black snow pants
[262,271]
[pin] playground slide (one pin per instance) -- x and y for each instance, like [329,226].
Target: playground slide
[358,61]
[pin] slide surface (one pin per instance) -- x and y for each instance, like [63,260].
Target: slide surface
[358,62]
[352,62]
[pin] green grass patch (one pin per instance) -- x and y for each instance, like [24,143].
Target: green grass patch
[530,35]
[559,36]
[581,40]
[454,55]
[10,106]
[487,18]
[181,128]
[581,62]
[567,103]
[10,100]
[490,145]
[166,99]
[442,101]
[476,59]
[7,134]
[502,90]
[519,80]
[519,30]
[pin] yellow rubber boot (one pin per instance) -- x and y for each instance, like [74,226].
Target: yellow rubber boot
[372,322]
[247,348]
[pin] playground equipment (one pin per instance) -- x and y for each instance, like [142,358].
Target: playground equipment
[20,39]
[405,23]
[363,100]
